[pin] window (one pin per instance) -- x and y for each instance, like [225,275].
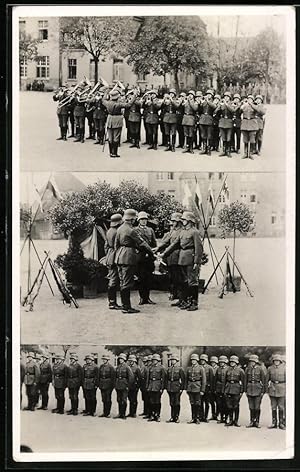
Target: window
[213,222]
[42,68]
[141,76]
[253,198]
[160,176]
[273,218]
[43,30]
[72,68]
[170,175]
[118,69]
[222,198]
[243,195]
[23,67]
[22,26]
[171,193]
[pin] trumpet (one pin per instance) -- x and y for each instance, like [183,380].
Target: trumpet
[70,95]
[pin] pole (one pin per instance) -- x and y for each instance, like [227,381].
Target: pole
[214,272]
[233,252]
[216,203]
[242,277]
[39,259]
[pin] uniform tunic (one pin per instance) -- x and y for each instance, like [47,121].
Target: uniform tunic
[45,379]
[74,380]
[60,376]
[276,378]
[175,382]
[156,382]
[124,380]
[249,125]
[206,118]
[170,117]
[234,386]
[255,385]
[99,116]
[89,385]
[106,381]
[113,277]
[225,122]
[219,388]
[195,383]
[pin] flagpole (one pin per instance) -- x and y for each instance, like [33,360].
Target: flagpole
[216,203]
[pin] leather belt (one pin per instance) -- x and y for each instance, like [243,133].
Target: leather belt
[189,114]
[115,114]
[278,382]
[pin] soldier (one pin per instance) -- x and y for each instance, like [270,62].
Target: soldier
[179,115]
[234,387]
[249,126]
[275,380]
[124,380]
[254,387]
[175,382]
[113,276]
[62,112]
[206,399]
[214,362]
[89,385]
[170,105]
[38,361]
[89,113]
[31,380]
[190,107]
[74,382]
[114,105]
[156,383]
[71,118]
[164,138]
[206,121]
[59,382]
[135,386]
[151,105]
[197,131]
[143,386]
[225,123]
[134,106]
[145,265]
[260,113]
[236,124]
[195,383]
[106,383]
[215,125]
[99,117]
[190,255]
[45,380]
[219,388]
[22,377]
[79,116]
[127,242]
[174,270]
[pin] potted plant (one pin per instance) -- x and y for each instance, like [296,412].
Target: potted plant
[71,263]
[204,261]
[94,275]
[235,218]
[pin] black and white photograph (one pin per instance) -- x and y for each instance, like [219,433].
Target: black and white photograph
[153,232]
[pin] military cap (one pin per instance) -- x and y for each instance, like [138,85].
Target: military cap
[122,356]
[142,215]
[129,214]
[214,359]
[156,357]
[191,92]
[223,359]
[276,357]
[204,357]
[237,95]
[194,357]
[176,216]
[250,96]
[114,94]
[254,358]
[182,94]
[260,97]
[172,90]
[234,359]
[150,357]
[31,354]
[210,92]
[154,91]
[74,356]
[115,219]
[132,357]
[189,216]
[89,356]
[145,358]
[217,96]
[199,93]
[227,94]
[174,357]
[105,356]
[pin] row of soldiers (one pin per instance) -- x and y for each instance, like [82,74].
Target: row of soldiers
[218,383]
[199,120]
[131,251]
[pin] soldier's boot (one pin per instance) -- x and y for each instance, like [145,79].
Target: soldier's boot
[245,156]
[133,145]
[87,410]
[116,149]
[236,417]
[168,145]
[173,140]
[194,299]
[112,299]
[75,407]
[137,143]
[61,134]
[191,146]
[101,137]
[82,135]
[197,414]
[229,421]
[158,409]
[177,413]
[257,417]
[193,415]
[252,419]
[204,150]
[206,410]
[64,133]
[281,420]
[251,150]
[111,154]
[186,147]
[127,308]
[70,412]
[228,151]
[171,420]
[186,304]
[259,145]
[224,150]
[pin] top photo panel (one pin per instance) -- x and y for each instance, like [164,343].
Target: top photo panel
[138,88]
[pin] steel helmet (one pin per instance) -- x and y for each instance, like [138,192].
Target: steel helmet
[194,357]
[31,354]
[74,356]
[204,357]
[174,357]
[156,357]
[227,94]
[132,357]
[191,92]
[122,356]
[223,359]
[214,359]
[237,95]
[106,356]
[254,358]
[276,357]
[129,214]
[172,90]
[209,92]
[234,359]
[115,219]
[142,215]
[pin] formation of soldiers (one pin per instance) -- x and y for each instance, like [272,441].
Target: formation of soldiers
[131,251]
[194,120]
[215,384]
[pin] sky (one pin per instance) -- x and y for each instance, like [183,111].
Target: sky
[247,25]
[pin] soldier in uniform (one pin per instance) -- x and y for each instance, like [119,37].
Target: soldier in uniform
[59,382]
[89,385]
[127,242]
[260,113]
[206,121]
[190,107]
[124,380]
[179,115]
[156,383]
[79,116]
[207,397]
[113,276]
[71,118]
[219,388]
[234,387]
[143,386]
[106,384]
[62,112]
[151,105]
[170,105]
[174,270]
[214,362]
[134,106]
[175,383]
[275,380]
[74,382]
[195,383]
[45,380]
[215,125]
[190,256]
[225,123]
[99,117]
[236,124]
[135,386]
[31,380]
[145,265]
[249,126]
[38,361]
[89,113]
[254,387]
[197,131]
[114,105]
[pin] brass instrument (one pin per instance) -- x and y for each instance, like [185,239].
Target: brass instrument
[71,93]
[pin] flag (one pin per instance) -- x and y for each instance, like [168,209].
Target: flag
[210,197]
[38,196]
[51,185]
[187,195]
[198,196]
[226,190]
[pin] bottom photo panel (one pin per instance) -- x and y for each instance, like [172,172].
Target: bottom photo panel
[116,398]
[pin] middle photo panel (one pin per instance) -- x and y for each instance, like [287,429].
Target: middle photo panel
[162,257]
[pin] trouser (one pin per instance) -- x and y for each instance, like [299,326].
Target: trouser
[197,136]
[145,398]
[135,130]
[225,134]
[126,276]
[236,138]
[73,395]
[145,269]
[106,400]
[174,398]
[43,389]
[180,134]
[188,131]
[249,136]
[114,135]
[164,137]
[31,396]
[206,402]
[147,136]
[175,280]
[215,137]
[152,133]
[133,403]
[221,405]
[60,398]
[90,400]
[63,124]
[233,407]
[100,129]
[122,396]
[80,126]
[259,139]
[72,122]
[113,283]
[91,124]
[254,407]
[155,403]
[280,404]
[206,132]
[170,132]
[127,128]
[190,283]
[196,404]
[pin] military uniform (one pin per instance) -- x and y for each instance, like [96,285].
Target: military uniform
[106,383]
[225,126]
[134,120]
[276,388]
[175,383]
[207,397]
[113,276]
[44,382]
[213,397]
[71,118]
[190,108]
[143,387]
[151,119]
[114,121]
[62,114]
[195,385]
[74,382]
[234,387]
[79,116]
[22,377]
[170,123]
[219,388]
[254,387]
[236,127]
[145,266]
[89,386]
[59,382]
[156,383]
[179,116]
[124,380]
[206,123]
[249,127]
[31,379]
[134,389]
[260,113]
[99,117]
[215,138]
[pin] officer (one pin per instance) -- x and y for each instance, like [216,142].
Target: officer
[151,105]
[207,397]
[170,105]
[22,377]
[175,383]
[38,361]
[99,117]
[106,384]
[195,383]
[161,114]
[249,126]
[156,383]
[206,121]
[174,270]
[71,118]
[190,107]
[197,131]
[124,380]
[219,388]
[179,115]
[31,380]
[74,382]
[62,112]
[225,123]
[254,387]
[190,255]
[113,276]
[45,380]
[89,113]
[59,382]
[134,118]
[135,386]
[214,362]
[143,385]
[234,387]
[79,116]
[127,242]
[145,265]
[260,113]
[89,385]
[275,380]
[236,123]
[215,125]
[114,105]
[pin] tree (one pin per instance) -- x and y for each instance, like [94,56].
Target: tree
[99,36]
[139,351]
[28,49]
[169,44]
